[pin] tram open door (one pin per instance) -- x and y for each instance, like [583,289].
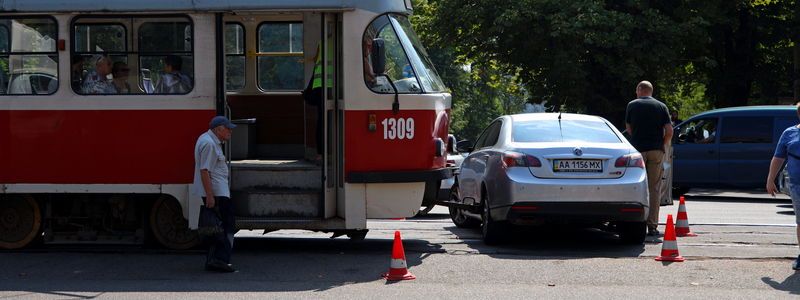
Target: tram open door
[283,175]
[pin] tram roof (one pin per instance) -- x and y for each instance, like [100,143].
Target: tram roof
[39,6]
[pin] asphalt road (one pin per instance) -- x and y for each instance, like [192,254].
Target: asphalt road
[744,250]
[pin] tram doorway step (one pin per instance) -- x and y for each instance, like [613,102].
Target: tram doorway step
[276,188]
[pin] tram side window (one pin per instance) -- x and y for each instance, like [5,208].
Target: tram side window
[398,67]
[28,57]
[280,56]
[108,59]
[234,56]
[166,58]
[100,62]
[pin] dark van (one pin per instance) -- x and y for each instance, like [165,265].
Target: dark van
[729,147]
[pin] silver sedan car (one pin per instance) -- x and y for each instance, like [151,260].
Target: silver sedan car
[530,169]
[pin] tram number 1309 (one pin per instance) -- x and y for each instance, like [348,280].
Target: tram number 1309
[398,129]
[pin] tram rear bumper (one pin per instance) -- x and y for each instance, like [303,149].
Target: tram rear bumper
[399,176]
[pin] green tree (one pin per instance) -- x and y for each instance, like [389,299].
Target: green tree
[588,55]
[481,90]
[747,58]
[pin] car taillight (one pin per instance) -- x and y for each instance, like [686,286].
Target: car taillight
[450,163]
[630,161]
[514,159]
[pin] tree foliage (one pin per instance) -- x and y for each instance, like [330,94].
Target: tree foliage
[481,90]
[588,55]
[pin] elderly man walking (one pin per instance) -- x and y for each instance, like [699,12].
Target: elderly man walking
[650,128]
[211,183]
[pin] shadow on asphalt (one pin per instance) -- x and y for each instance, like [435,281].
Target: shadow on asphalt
[715,198]
[265,264]
[789,284]
[552,242]
[711,192]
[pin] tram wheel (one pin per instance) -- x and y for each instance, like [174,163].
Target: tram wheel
[20,221]
[169,226]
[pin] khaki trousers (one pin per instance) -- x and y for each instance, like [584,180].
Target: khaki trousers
[652,163]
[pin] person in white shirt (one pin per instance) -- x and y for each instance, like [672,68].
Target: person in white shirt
[211,183]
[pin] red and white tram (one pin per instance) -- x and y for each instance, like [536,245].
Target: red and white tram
[94,148]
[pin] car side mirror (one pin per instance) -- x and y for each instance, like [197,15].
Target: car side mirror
[464,146]
[378,56]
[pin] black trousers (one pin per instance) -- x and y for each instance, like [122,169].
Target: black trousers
[221,246]
[313,97]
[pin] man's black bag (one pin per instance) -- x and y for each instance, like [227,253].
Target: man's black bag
[210,223]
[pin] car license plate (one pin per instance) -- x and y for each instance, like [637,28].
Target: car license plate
[577,165]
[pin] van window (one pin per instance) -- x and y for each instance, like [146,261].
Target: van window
[781,123]
[28,61]
[747,130]
[698,131]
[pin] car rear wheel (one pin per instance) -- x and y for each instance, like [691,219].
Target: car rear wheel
[457,214]
[494,232]
[632,232]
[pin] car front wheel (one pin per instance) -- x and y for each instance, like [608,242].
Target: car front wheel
[457,214]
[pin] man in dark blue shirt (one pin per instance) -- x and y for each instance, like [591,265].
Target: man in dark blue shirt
[788,150]
[648,122]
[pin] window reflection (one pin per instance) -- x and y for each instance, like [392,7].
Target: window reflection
[28,58]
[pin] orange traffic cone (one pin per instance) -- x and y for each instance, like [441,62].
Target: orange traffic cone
[397,267]
[669,248]
[682,224]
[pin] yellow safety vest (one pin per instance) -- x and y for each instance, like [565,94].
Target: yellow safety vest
[317,82]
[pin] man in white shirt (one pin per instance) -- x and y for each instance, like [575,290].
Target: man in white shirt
[211,183]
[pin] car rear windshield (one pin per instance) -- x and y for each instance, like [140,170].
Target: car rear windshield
[542,131]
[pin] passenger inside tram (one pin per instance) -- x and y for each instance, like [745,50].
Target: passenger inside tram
[97,82]
[172,80]
[78,72]
[120,72]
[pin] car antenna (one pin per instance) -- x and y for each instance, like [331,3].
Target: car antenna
[559,126]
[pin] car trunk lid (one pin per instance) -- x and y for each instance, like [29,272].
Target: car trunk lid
[576,160]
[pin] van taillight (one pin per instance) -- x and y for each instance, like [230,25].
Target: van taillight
[515,159]
[630,161]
